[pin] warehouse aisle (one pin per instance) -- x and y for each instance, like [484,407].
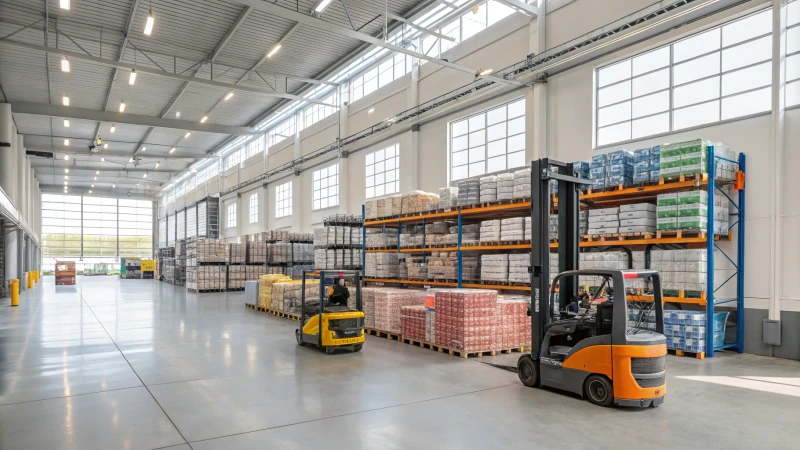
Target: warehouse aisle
[139,364]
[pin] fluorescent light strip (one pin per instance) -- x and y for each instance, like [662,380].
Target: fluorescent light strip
[132,78]
[148,26]
[64,65]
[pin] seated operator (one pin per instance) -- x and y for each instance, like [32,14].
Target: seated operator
[338,294]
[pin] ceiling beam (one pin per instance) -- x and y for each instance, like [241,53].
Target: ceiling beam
[127,155]
[153,71]
[50,170]
[522,7]
[229,34]
[266,53]
[70,112]
[368,7]
[287,13]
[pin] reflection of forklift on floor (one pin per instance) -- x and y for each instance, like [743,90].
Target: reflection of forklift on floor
[602,349]
[327,321]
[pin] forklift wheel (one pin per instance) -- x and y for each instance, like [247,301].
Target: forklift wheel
[357,347]
[599,390]
[299,339]
[528,371]
[330,350]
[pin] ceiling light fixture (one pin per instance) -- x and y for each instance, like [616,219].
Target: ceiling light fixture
[158,164]
[188,133]
[485,72]
[65,100]
[177,114]
[144,149]
[203,120]
[66,170]
[90,191]
[371,110]
[95,178]
[102,160]
[130,160]
[122,106]
[132,78]
[105,145]
[97,172]
[113,128]
[322,5]
[66,143]
[113,186]
[64,4]
[65,183]
[66,177]
[148,25]
[64,64]
[228,96]
[172,150]
[145,175]
[276,48]
[92,185]
[66,123]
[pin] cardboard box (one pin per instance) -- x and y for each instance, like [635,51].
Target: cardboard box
[637,207]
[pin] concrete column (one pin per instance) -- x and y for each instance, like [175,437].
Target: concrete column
[32,204]
[11,252]
[297,211]
[22,180]
[20,258]
[8,154]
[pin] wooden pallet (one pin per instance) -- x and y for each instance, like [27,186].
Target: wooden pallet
[697,178]
[680,234]
[283,314]
[393,248]
[503,283]
[618,187]
[700,355]
[383,334]
[235,289]
[600,237]
[205,291]
[637,235]
[250,306]
[461,353]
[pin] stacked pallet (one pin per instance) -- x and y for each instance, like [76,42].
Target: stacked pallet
[206,278]
[238,253]
[236,277]
[265,283]
[413,322]
[65,273]
[388,304]
[465,319]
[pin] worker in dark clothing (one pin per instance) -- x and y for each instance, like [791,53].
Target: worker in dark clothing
[338,294]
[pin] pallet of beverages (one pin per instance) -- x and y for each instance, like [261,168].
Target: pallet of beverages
[65,273]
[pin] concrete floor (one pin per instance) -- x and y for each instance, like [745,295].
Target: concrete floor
[139,364]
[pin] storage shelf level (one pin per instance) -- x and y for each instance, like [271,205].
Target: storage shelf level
[448,284]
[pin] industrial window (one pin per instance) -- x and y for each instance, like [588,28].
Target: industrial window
[253,148]
[135,228]
[316,112]
[100,226]
[61,225]
[254,207]
[388,70]
[284,130]
[326,187]
[190,184]
[232,215]
[233,159]
[793,54]
[283,200]
[489,141]
[162,232]
[718,74]
[382,171]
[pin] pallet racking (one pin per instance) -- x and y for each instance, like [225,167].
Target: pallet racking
[607,198]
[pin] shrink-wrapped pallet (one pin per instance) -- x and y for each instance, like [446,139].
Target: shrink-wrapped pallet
[494,267]
[389,301]
[412,322]
[448,198]
[466,319]
[505,186]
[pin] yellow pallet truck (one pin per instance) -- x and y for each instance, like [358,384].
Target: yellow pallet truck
[328,322]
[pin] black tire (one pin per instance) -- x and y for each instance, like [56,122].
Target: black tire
[330,350]
[599,390]
[299,339]
[528,371]
[357,347]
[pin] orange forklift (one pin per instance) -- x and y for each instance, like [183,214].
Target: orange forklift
[604,348]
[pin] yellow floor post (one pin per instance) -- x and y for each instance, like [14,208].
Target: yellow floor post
[30,280]
[15,292]
[36,276]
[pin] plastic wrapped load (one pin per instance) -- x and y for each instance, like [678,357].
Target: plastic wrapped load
[448,198]
[388,304]
[494,267]
[604,221]
[279,253]
[238,253]
[382,265]
[518,268]
[581,169]
[466,319]
[418,202]
[686,330]
[236,277]
[209,250]
[522,183]
[513,326]
[512,229]
[256,252]
[637,218]
[505,186]
[490,231]
[380,238]
[207,278]
[469,192]
[368,300]
[252,272]
[291,292]
[430,324]
[488,187]
[470,268]
[647,165]
[283,291]
[302,252]
[443,266]
[469,233]
[681,269]
[340,258]
[265,283]
[411,240]
[416,268]
[320,258]
[412,322]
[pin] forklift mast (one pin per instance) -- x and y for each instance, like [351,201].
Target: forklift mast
[542,171]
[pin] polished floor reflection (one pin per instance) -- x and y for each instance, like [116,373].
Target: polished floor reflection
[138,364]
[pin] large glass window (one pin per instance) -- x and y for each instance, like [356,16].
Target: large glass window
[254,207]
[283,200]
[316,112]
[61,225]
[253,148]
[99,226]
[489,141]
[284,130]
[383,171]
[232,215]
[793,54]
[326,187]
[233,159]
[718,74]
[135,228]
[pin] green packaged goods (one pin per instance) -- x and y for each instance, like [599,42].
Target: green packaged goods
[693,223]
[667,223]
[692,210]
[667,199]
[667,211]
[689,197]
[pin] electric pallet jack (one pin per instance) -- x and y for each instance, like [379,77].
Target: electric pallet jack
[329,323]
[606,349]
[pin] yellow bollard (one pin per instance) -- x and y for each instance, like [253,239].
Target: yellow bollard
[36,276]
[30,280]
[15,292]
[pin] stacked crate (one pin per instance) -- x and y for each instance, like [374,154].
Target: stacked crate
[466,319]
[65,273]
[488,188]
[443,266]
[512,324]
[448,198]
[603,221]
[238,253]
[237,274]
[382,265]
[637,218]
[412,322]
[388,304]
[522,183]
[688,330]
[469,192]
[265,283]
[494,267]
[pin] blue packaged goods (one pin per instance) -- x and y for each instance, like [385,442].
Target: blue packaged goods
[599,159]
[620,169]
[581,168]
[620,157]
[641,177]
[597,173]
[641,155]
[600,183]
[624,180]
